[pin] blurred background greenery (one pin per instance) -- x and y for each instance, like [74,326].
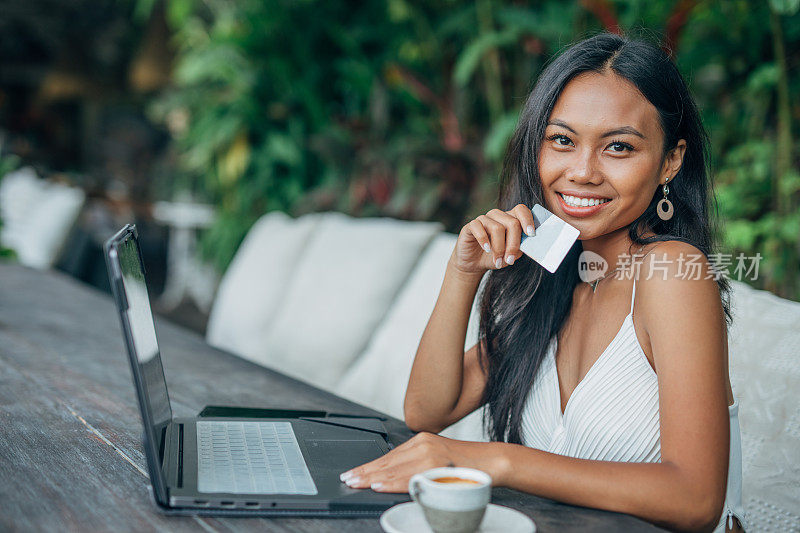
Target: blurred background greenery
[382,108]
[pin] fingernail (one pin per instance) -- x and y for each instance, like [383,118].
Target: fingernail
[510,259]
[530,231]
[352,481]
[376,486]
[345,476]
[498,262]
[487,247]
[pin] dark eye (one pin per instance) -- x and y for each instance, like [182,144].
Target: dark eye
[561,140]
[619,146]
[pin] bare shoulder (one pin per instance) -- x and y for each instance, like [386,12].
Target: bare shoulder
[676,277]
[673,261]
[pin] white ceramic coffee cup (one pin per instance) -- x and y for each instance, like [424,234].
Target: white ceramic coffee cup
[452,507]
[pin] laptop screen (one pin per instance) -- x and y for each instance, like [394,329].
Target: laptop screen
[143,334]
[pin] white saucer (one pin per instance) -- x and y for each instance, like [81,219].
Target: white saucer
[408,518]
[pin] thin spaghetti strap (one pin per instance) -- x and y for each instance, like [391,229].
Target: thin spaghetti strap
[636,274]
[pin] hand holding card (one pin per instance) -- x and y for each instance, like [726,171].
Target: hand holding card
[552,241]
[499,238]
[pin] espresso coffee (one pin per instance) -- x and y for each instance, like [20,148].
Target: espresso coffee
[452,499]
[455,480]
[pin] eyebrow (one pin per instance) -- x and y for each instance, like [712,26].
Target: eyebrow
[617,131]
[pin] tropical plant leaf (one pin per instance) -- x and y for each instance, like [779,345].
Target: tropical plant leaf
[469,60]
[785,7]
[496,141]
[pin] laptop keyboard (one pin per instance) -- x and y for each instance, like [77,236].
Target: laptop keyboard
[250,458]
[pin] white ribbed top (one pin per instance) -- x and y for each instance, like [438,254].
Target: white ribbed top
[612,415]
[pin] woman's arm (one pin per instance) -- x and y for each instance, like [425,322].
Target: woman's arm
[686,328]
[446,383]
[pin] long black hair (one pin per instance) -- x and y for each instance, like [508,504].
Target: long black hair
[523,308]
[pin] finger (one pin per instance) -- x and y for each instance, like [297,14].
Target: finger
[497,233]
[395,484]
[513,234]
[363,479]
[394,478]
[479,232]
[525,216]
[356,476]
[409,451]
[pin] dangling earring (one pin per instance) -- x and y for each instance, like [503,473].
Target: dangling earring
[664,206]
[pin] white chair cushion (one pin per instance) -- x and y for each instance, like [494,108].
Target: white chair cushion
[468,428]
[764,345]
[343,285]
[37,216]
[379,376]
[255,283]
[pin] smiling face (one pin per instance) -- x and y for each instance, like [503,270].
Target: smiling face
[602,155]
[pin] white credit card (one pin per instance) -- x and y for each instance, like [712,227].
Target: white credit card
[552,240]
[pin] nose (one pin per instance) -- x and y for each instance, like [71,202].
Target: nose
[583,168]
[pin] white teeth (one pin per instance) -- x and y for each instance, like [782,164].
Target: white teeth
[574,201]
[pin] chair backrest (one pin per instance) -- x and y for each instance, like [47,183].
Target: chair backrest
[254,286]
[764,355]
[37,215]
[322,290]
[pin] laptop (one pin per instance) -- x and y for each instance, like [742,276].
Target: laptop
[230,460]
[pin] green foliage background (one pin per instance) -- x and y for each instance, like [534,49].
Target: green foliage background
[403,109]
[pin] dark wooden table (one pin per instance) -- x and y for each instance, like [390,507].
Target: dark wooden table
[70,433]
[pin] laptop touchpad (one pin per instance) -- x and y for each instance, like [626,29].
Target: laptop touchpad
[341,455]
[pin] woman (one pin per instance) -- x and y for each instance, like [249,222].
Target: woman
[638,418]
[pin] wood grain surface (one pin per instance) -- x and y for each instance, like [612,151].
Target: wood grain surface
[71,455]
